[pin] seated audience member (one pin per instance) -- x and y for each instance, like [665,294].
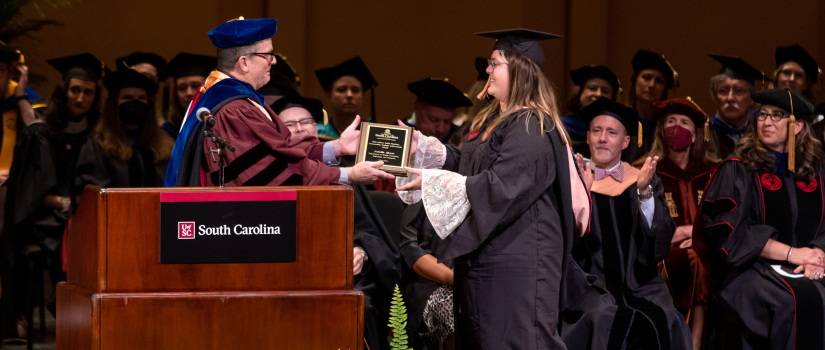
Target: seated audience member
[283,81]
[731,91]
[41,182]
[796,70]
[301,115]
[762,217]
[146,63]
[435,105]
[428,291]
[127,148]
[685,167]
[652,77]
[345,85]
[590,83]
[187,72]
[631,231]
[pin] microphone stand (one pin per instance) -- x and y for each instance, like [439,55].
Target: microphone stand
[223,145]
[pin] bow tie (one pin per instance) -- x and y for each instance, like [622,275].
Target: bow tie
[616,173]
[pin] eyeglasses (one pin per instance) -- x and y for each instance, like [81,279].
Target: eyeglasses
[303,122]
[267,55]
[775,116]
[492,63]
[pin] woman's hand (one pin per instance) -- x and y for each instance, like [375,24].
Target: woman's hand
[414,184]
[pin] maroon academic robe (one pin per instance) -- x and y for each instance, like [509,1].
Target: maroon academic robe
[264,154]
[684,272]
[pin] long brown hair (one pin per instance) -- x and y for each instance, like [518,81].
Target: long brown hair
[699,153]
[529,92]
[110,133]
[808,152]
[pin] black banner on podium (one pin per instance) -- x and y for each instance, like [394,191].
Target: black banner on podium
[227,227]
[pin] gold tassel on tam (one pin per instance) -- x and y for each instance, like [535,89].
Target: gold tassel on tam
[791,137]
[639,141]
[707,130]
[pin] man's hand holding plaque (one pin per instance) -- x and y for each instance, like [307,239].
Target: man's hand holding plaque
[391,144]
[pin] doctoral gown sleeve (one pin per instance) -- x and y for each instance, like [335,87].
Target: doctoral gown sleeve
[656,237]
[521,171]
[31,176]
[732,216]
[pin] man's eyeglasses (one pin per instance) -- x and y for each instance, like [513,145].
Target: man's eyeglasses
[775,116]
[492,63]
[267,55]
[303,122]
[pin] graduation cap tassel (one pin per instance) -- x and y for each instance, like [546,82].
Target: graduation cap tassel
[639,135]
[791,137]
[707,130]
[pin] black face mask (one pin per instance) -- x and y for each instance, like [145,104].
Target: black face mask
[133,112]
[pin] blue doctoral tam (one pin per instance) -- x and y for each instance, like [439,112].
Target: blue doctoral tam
[240,32]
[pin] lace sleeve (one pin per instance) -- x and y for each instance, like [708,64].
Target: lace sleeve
[445,199]
[430,154]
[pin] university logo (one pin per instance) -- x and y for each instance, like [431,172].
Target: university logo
[186,230]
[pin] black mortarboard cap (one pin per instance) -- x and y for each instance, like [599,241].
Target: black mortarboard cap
[819,113]
[282,66]
[83,66]
[129,78]
[783,98]
[644,59]
[353,66]
[797,54]
[240,32]
[313,106]
[605,106]
[439,92]
[583,74]
[279,85]
[8,53]
[481,68]
[141,57]
[736,68]
[189,64]
[521,41]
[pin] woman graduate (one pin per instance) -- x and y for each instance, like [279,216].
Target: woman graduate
[763,218]
[506,202]
[127,148]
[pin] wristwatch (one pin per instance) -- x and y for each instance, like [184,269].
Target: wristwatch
[23,97]
[649,194]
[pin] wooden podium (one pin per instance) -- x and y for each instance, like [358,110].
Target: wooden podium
[119,296]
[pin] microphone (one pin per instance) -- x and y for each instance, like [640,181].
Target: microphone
[204,115]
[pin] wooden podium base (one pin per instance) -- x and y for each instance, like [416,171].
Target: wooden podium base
[209,320]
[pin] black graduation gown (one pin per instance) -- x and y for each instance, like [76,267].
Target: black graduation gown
[95,168]
[418,238]
[44,165]
[623,251]
[511,268]
[742,209]
[380,273]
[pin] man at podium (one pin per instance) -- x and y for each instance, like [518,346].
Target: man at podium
[263,152]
